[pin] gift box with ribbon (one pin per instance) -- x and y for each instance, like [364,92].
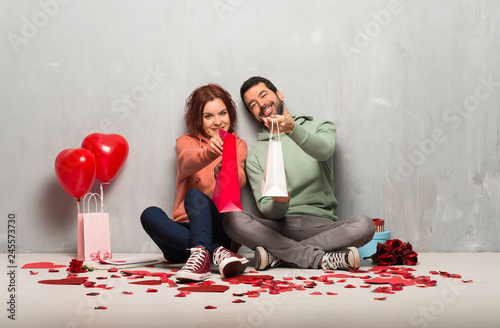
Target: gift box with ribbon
[380,236]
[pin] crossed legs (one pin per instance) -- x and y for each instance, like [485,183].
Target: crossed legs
[302,240]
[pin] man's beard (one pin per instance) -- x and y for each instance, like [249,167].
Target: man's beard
[278,105]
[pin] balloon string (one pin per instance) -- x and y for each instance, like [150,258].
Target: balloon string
[102,199]
[78,206]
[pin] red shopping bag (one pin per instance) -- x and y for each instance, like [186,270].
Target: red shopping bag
[93,232]
[227,187]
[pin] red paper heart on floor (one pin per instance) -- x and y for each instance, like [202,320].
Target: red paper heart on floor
[65,281]
[239,301]
[383,268]
[335,275]
[205,288]
[394,280]
[162,274]
[42,265]
[138,272]
[380,298]
[246,277]
[146,282]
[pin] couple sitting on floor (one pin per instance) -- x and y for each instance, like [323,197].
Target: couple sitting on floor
[301,228]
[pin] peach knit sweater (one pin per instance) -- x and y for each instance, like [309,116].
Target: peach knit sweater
[195,169]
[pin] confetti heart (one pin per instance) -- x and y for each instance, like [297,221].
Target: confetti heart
[42,265]
[205,288]
[146,282]
[65,281]
[239,301]
[248,277]
[394,280]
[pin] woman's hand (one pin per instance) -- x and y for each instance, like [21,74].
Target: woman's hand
[217,169]
[216,145]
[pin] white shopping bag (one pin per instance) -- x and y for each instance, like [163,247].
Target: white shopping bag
[274,182]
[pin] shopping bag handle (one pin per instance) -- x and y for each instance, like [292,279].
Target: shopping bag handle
[272,129]
[88,197]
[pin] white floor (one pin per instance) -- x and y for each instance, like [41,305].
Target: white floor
[452,303]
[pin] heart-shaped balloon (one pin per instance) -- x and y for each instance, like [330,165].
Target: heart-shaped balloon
[75,170]
[110,152]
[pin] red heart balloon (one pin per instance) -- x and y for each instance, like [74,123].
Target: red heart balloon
[75,170]
[110,152]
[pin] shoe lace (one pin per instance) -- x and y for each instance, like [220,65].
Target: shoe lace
[336,260]
[220,254]
[196,259]
[274,261]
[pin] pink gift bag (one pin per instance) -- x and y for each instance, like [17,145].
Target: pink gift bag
[93,231]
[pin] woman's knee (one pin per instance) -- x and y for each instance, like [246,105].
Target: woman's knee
[149,214]
[195,199]
[194,194]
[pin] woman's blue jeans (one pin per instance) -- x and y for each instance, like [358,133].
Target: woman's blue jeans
[176,238]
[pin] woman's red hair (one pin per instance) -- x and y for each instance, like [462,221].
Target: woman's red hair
[196,103]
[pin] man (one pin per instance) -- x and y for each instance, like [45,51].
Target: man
[303,227]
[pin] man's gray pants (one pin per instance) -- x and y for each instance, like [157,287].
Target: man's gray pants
[302,240]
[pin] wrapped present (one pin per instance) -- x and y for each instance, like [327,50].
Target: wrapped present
[379,224]
[371,247]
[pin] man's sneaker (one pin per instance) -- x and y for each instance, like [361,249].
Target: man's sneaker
[344,259]
[197,267]
[229,263]
[264,260]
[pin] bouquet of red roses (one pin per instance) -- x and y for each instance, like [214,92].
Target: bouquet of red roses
[394,252]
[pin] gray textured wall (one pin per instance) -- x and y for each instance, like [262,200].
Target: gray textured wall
[413,86]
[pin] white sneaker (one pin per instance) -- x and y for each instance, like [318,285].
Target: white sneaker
[264,260]
[229,263]
[344,259]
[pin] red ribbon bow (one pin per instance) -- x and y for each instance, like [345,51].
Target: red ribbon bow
[102,254]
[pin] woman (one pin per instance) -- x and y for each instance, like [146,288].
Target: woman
[195,232]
